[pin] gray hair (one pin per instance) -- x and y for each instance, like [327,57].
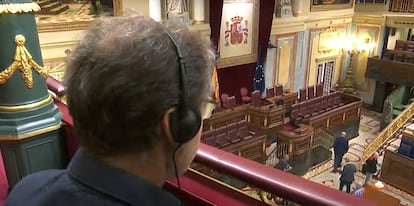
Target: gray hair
[122,78]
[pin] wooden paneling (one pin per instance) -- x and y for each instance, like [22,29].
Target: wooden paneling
[379,197]
[225,117]
[298,139]
[390,71]
[398,171]
[331,119]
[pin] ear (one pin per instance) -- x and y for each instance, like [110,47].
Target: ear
[166,127]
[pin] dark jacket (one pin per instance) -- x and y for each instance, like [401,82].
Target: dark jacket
[371,165]
[341,145]
[347,174]
[89,182]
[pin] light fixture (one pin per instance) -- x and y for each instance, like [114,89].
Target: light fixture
[270,45]
[379,185]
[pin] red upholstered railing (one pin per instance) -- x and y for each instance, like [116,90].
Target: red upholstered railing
[55,86]
[280,183]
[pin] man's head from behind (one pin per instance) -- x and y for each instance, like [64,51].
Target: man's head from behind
[123,85]
[343,134]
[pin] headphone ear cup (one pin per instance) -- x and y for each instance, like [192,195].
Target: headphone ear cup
[184,123]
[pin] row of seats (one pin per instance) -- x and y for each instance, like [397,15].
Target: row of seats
[310,92]
[404,45]
[406,147]
[229,102]
[399,57]
[274,91]
[226,135]
[315,106]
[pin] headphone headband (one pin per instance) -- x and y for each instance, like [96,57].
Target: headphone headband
[186,120]
[182,72]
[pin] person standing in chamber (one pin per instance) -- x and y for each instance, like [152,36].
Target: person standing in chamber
[347,176]
[136,109]
[283,163]
[359,190]
[370,167]
[340,147]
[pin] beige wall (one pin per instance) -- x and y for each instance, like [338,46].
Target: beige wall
[54,44]
[138,6]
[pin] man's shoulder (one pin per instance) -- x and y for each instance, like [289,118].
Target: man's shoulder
[350,166]
[39,188]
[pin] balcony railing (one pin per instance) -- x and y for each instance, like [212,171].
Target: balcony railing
[265,178]
[402,6]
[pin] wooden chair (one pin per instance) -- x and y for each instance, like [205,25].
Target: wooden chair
[231,102]
[243,95]
[243,131]
[270,92]
[302,95]
[319,90]
[311,92]
[232,133]
[279,90]
[222,140]
[256,98]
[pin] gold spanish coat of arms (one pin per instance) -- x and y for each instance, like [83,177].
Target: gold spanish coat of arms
[236,32]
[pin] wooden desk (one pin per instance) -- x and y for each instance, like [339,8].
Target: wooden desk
[298,139]
[289,98]
[379,197]
[398,170]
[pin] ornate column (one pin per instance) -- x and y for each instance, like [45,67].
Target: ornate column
[199,12]
[29,119]
[155,10]
[297,7]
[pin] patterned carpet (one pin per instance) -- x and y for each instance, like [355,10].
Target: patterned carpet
[369,128]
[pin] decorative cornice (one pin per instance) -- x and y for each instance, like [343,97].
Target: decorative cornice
[15,8]
[301,23]
[369,19]
[63,26]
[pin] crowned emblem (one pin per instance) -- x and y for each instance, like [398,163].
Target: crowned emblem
[236,32]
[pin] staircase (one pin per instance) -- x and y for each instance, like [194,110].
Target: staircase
[51,7]
[397,109]
[393,130]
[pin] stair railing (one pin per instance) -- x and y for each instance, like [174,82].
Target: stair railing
[388,132]
[322,138]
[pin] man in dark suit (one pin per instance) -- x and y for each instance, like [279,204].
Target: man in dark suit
[347,176]
[283,163]
[340,147]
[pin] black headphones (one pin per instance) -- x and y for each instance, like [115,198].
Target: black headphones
[185,121]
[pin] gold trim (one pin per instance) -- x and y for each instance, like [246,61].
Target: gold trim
[223,183]
[26,106]
[30,134]
[63,26]
[197,22]
[24,62]
[14,8]
[329,7]
[78,24]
